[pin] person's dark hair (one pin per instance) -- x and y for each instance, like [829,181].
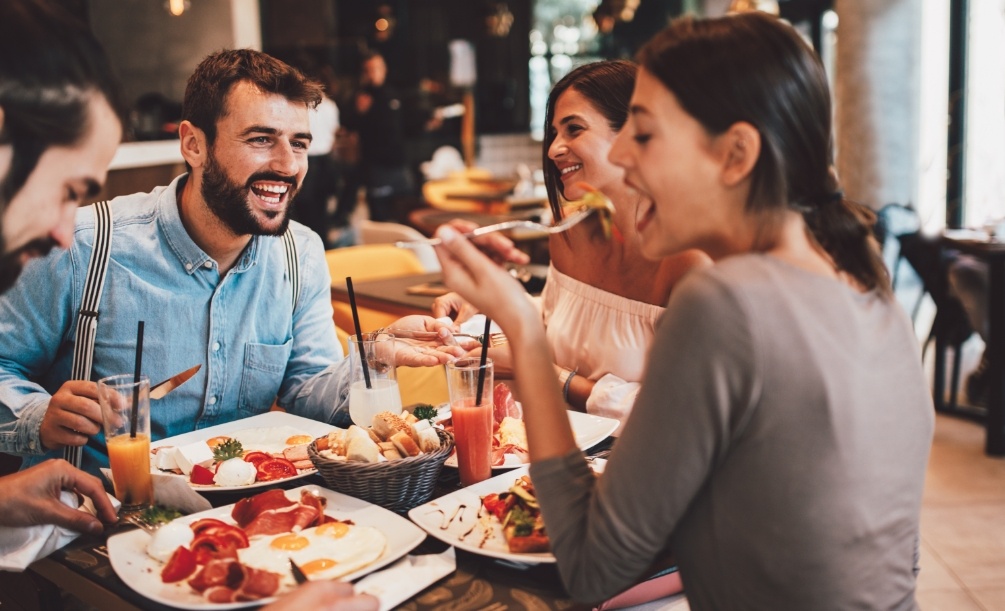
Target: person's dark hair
[207,89]
[752,67]
[607,85]
[51,69]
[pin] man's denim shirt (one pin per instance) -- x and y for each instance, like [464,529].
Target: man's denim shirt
[242,328]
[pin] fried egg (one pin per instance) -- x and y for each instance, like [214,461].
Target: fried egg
[329,551]
[272,439]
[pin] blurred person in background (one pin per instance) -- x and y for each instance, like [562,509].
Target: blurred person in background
[322,180]
[376,115]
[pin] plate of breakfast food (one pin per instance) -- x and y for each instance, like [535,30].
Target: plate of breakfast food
[244,454]
[239,555]
[509,440]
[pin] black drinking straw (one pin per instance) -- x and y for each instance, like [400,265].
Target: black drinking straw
[136,379]
[481,363]
[359,332]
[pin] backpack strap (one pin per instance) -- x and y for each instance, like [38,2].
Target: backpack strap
[292,265]
[87,317]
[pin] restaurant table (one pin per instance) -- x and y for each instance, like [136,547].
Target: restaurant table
[992,253]
[391,294]
[83,570]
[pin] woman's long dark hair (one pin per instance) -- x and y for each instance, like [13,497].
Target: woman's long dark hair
[754,68]
[608,87]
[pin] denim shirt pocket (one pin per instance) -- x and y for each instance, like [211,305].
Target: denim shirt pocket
[264,366]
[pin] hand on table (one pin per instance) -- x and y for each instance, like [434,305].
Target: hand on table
[495,245]
[72,417]
[31,498]
[324,596]
[420,353]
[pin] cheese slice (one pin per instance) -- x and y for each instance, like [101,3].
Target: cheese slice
[187,456]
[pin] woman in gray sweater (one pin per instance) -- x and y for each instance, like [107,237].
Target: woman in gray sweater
[778,445]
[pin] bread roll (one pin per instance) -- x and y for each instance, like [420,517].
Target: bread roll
[429,440]
[337,441]
[387,424]
[392,453]
[373,435]
[362,449]
[403,442]
[415,428]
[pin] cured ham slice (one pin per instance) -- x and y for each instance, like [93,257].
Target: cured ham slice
[503,403]
[246,510]
[257,584]
[224,581]
[275,521]
[226,572]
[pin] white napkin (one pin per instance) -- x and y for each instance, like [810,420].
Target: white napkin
[19,547]
[173,491]
[406,577]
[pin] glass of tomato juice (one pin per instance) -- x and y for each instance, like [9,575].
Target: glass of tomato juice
[472,420]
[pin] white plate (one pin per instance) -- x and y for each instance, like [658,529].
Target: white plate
[484,535]
[467,531]
[127,551]
[266,420]
[588,429]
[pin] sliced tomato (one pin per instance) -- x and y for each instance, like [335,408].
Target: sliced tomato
[275,468]
[202,476]
[257,458]
[211,547]
[200,526]
[496,506]
[228,532]
[181,564]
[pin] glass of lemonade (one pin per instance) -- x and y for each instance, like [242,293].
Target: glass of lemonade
[472,423]
[382,395]
[128,446]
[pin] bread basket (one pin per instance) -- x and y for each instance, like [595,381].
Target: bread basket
[398,485]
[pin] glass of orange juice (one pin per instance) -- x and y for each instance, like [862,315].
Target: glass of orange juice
[472,420]
[128,442]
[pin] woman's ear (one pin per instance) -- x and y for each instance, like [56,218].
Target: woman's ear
[194,147]
[741,148]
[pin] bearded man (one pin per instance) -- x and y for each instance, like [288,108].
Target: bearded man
[207,263]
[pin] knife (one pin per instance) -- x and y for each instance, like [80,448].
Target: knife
[159,390]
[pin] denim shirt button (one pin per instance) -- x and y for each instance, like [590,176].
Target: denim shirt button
[208,264]
[216,346]
[212,400]
[31,444]
[188,266]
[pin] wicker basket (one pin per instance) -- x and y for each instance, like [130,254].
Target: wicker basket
[398,485]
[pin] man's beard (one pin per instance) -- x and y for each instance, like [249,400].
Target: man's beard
[10,263]
[229,201]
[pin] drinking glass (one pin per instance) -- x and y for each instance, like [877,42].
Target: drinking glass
[383,394]
[472,422]
[128,444]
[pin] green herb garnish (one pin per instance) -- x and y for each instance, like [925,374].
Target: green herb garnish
[227,450]
[424,412]
[157,514]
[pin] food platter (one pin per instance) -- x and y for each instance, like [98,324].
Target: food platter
[456,520]
[280,422]
[129,560]
[589,430]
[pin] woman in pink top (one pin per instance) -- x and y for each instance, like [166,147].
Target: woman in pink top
[602,298]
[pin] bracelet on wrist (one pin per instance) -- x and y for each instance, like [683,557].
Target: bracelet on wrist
[568,382]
